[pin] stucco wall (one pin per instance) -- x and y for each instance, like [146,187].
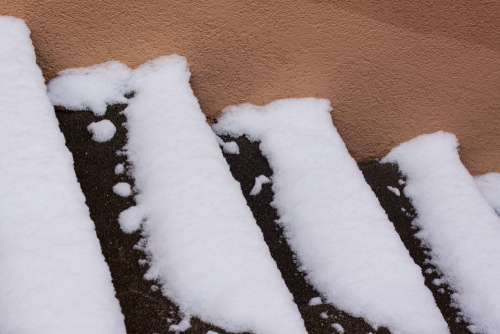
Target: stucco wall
[393,69]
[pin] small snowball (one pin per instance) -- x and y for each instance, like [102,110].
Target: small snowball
[122,189]
[438,281]
[394,190]
[119,169]
[102,131]
[130,219]
[230,147]
[259,181]
[338,328]
[182,326]
[315,301]
[323,315]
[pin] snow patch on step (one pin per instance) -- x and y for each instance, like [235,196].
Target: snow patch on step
[489,185]
[92,87]
[53,277]
[204,243]
[456,222]
[332,219]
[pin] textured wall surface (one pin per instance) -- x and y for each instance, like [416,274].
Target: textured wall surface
[392,69]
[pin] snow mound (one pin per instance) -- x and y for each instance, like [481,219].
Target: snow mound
[53,277]
[457,223]
[489,185]
[91,87]
[332,219]
[203,241]
[102,131]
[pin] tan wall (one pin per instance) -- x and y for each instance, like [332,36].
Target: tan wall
[393,69]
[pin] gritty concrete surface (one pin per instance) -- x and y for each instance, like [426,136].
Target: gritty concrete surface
[393,69]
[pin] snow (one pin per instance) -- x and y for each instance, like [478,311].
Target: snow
[102,131]
[315,301]
[489,185]
[205,246]
[130,220]
[53,276]
[122,189]
[394,190]
[119,169]
[456,222]
[92,87]
[230,147]
[338,328]
[257,187]
[182,326]
[331,218]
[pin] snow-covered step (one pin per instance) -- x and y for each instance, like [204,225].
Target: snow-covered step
[248,167]
[388,183]
[342,238]
[202,238]
[53,276]
[456,223]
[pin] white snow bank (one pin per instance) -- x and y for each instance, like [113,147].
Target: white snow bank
[205,245]
[342,237]
[259,182]
[457,223]
[53,278]
[489,185]
[122,189]
[102,131]
[91,87]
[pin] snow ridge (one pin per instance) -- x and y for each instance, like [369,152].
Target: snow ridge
[53,276]
[332,219]
[457,223]
[204,244]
